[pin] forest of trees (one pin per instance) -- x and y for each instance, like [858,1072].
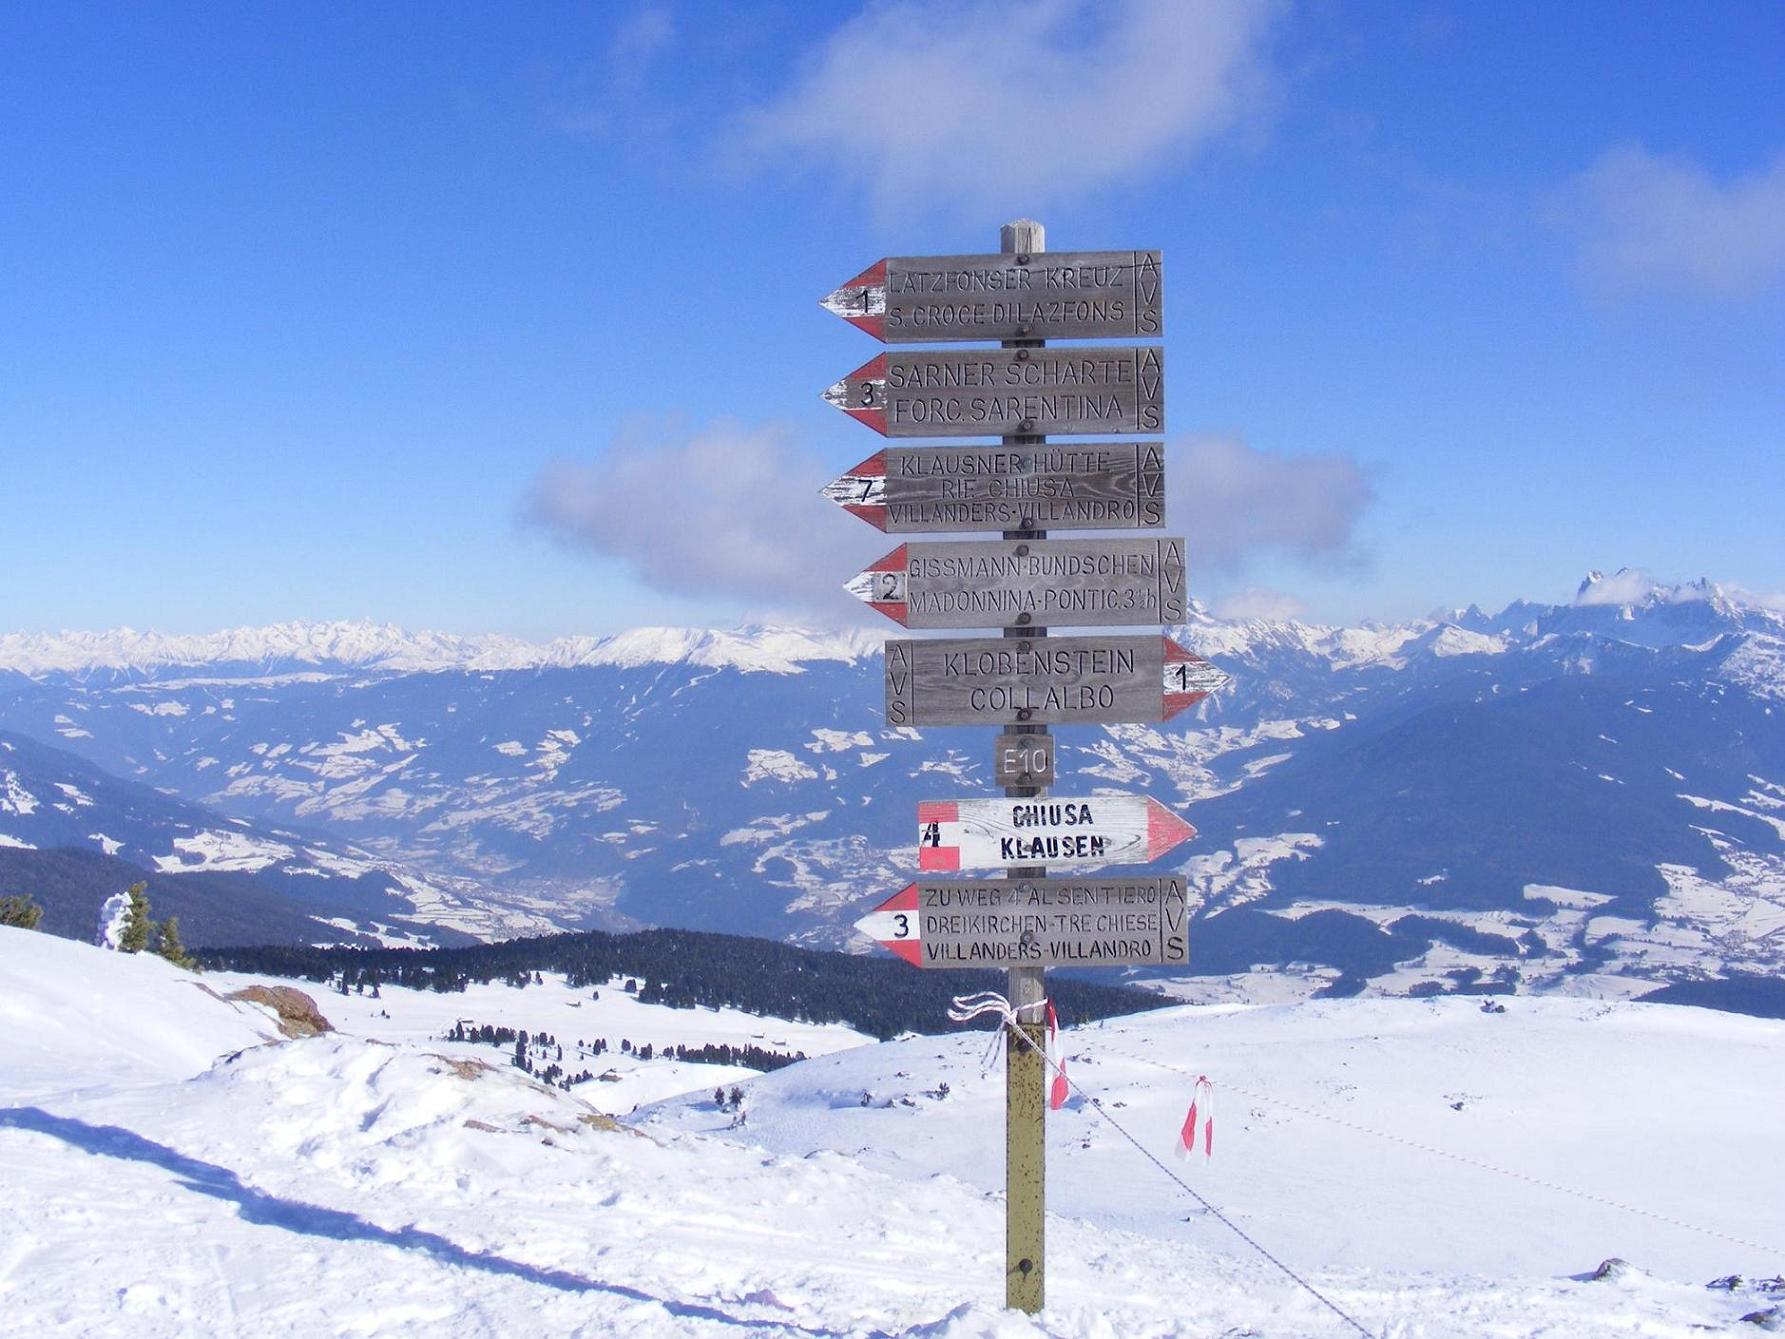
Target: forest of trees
[880,996]
[542,1055]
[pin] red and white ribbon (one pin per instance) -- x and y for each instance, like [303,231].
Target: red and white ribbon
[1056,1097]
[1202,1110]
[965,1008]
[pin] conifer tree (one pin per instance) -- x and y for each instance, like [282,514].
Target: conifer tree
[168,945]
[137,925]
[20,912]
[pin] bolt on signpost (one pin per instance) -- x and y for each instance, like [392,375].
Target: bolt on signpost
[1024,681]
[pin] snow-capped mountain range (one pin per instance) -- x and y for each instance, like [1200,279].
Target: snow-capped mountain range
[385,648]
[1588,796]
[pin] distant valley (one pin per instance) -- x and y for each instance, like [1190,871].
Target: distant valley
[1585,798]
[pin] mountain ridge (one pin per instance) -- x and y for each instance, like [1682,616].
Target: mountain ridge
[385,647]
[1628,597]
[1579,796]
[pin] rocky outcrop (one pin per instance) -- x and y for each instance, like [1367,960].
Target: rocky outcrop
[298,1014]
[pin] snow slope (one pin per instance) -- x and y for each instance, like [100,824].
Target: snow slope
[357,1185]
[73,1014]
[421,1018]
[1335,1121]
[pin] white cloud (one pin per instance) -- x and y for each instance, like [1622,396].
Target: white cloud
[733,512]
[725,512]
[1270,605]
[1647,220]
[1008,106]
[1231,502]
[1628,585]
[1774,602]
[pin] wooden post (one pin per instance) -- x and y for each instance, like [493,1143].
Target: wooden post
[1025,1076]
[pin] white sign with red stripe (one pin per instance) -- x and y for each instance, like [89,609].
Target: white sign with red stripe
[1082,833]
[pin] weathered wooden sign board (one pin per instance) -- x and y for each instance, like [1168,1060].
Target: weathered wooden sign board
[1027,582]
[909,490]
[1078,832]
[996,392]
[1047,681]
[1052,922]
[1049,295]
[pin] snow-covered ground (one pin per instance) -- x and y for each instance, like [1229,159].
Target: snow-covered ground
[168,1169]
[422,1018]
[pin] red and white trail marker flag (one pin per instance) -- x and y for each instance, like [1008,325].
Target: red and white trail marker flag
[1201,1117]
[1056,1097]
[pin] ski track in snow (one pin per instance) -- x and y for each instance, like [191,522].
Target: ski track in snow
[170,1170]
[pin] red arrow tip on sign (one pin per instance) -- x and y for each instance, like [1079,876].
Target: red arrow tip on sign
[862,394]
[1165,830]
[893,925]
[861,301]
[881,586]
[1188,678]
[863,490]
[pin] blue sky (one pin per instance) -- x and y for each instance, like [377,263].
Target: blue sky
[399,311]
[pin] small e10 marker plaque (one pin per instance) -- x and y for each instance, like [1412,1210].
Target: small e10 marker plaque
[1024,760]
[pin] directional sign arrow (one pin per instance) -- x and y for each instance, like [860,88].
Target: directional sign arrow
[895,924]
[1048,295]
[999,392]
[1054,922]
[1028,582]
[1095,830]
[1056,486]
[1043,681]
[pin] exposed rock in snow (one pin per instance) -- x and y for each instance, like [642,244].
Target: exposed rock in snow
[296,1011]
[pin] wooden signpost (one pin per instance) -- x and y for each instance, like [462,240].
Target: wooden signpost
[994,392]
[1023,583]
[970,583]
[911,490]
[1092,830]
[1035,922]
[1055,295]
